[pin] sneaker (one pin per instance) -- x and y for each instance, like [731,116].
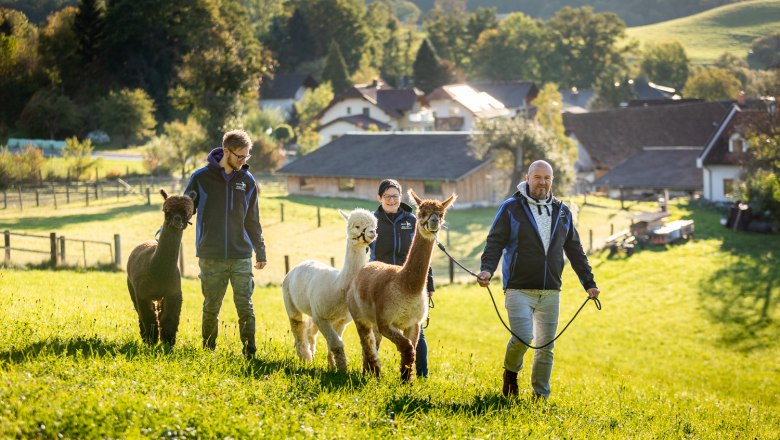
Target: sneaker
[510,384]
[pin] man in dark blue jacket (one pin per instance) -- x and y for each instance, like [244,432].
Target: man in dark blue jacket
[227,231]
[532,231]
[395,229]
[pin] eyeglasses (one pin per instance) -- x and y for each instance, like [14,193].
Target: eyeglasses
[239,156]
[391,197]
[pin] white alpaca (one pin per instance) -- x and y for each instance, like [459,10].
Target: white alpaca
[319,291]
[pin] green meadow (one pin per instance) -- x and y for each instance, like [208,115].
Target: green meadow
[684,347]
[705,36]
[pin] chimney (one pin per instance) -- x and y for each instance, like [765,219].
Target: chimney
[741,97]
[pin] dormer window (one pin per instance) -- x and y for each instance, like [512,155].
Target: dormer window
[737,144]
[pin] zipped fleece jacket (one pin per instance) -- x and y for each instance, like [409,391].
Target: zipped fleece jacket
[394,238]
[515,236]
[228,220]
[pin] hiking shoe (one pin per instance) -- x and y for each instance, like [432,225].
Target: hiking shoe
[510,384]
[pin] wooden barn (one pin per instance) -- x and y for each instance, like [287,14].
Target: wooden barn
[434,164]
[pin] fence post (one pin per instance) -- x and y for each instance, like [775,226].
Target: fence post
[286,264]
[21,207]
[590,233]
[86,194]
[62,249]
[37,198]
[5,199]
[67,193]
[148,197]
[96,192]
[332,262]
[319,219]
[54,194]
[117,251]
[53,243]
[7,240]
[281,210]
[611,229]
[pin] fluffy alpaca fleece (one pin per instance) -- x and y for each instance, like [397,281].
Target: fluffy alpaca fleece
[153,277]
[391,301]
[319,291]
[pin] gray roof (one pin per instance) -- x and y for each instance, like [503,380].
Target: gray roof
[412,156]
[612,136]
[285,85]
[657,168]
[513,94]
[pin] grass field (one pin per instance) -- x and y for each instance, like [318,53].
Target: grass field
[685,347]
[706,35]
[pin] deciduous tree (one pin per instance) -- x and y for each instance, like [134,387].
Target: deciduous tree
[665,63]
[127,115]
[712,84]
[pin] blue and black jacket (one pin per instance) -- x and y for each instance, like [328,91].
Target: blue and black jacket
[394,238]
[515,236]
[228,221]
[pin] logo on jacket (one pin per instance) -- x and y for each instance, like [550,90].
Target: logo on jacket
[241,186]
[563,213]
[406,225]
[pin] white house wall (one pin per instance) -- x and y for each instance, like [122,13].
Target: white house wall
[335,131]
[713,181]
[449,109]
[355,106]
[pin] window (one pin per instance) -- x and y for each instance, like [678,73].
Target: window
[349,110]
[737,144]
[346,184]
[306,184]
[366,111]
[728,187]
[432,187]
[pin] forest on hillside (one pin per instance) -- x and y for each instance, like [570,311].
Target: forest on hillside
[632,12]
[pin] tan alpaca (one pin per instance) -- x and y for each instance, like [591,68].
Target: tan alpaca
[391,301]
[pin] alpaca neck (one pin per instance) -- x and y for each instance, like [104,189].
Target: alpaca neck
[355,259]
[415,270]
[166,256]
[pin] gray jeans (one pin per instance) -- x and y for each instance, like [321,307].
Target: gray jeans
[214,277]
[534,318]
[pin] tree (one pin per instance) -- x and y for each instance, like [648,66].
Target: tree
[79,157]
[447,31]
[549,103]
[429,72]
[666,63]
[127,115]
[712,84]
[292,41]
[612,88]
[512,51]
[312,103]
[20,74]
[266,155]
[186,142]
[49,113]
[736,65]
[345,24]
[762,183]
[335,70]
[515,143]
[766,50]
[58,46]
[90,26]
[582,44]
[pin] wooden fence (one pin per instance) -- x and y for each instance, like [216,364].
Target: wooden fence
[54,250]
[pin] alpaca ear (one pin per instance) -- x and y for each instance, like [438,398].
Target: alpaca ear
[163,194]
[414,197]
[346,217]
[450,200]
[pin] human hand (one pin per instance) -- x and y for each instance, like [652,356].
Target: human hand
[593,292]
[483,278]
[260,264]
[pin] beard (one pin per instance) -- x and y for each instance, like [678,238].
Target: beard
[539,193]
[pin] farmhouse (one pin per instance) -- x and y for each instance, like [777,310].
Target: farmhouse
[373,107]
[721,158]
[456,107]
[607,138]
[284,90]
[434,164]
[515,95]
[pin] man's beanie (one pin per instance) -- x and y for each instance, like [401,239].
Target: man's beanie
[387,183]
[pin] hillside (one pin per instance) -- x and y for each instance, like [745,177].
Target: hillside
[633,12]
[707,35]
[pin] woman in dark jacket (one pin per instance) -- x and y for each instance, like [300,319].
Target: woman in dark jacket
[395,229]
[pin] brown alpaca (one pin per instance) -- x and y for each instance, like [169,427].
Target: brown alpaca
[390,301]
[153,276]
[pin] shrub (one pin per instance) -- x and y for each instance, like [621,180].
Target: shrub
[79,157]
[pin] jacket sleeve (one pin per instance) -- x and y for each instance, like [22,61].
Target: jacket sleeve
[496,240]
[192,192]
[252,225]
[578,259]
